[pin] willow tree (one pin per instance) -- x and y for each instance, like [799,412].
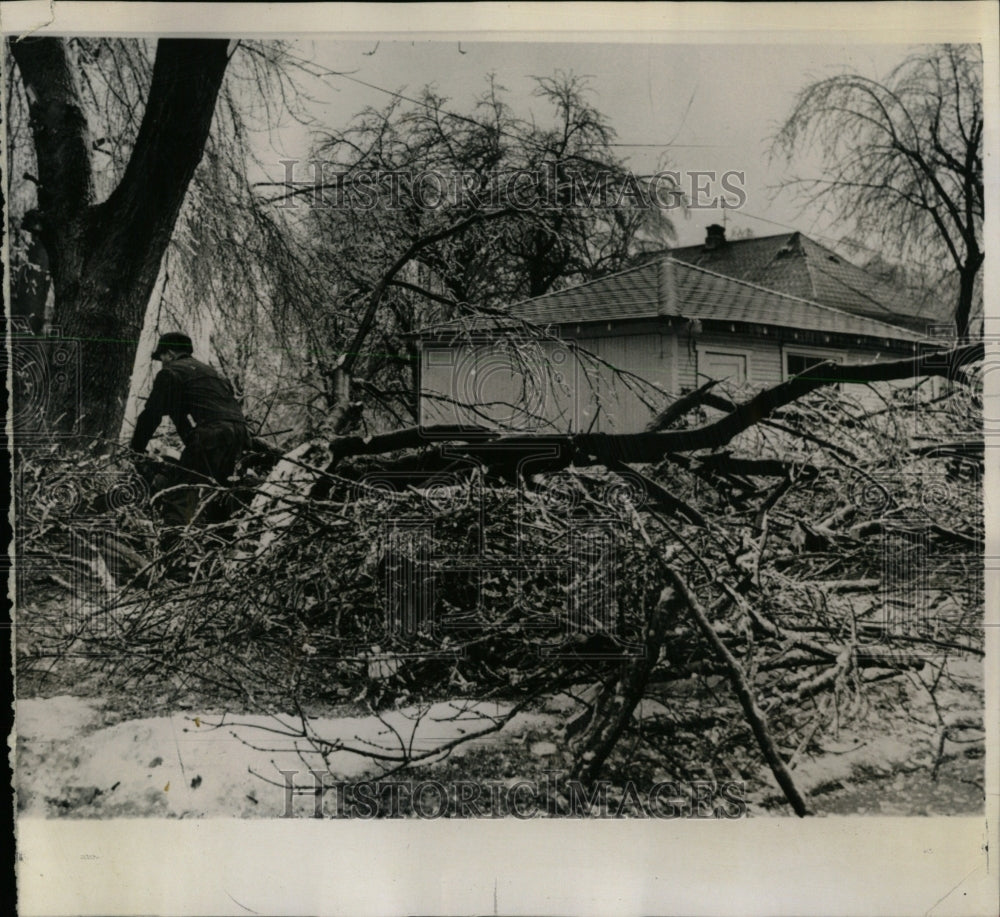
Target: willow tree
[902,159]
[104,251]
[418,211]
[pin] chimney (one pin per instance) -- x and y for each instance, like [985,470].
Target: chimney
[715,237]
[666,293]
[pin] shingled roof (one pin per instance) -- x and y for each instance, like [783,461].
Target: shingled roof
[795,264]
[668,287]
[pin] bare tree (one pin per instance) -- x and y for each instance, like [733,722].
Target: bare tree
[902,159]
[420,212]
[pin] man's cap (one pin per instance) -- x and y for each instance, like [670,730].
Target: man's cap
[175,342]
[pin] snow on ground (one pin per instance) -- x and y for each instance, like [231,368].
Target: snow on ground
[883,766]
[76,757]
[852,752]
[71,761]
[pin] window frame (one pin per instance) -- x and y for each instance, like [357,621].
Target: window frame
[824,353]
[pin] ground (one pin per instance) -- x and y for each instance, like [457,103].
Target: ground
[96,757]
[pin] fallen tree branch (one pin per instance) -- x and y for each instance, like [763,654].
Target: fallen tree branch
[659,493]
[649,447]
[682,406]
[744,693]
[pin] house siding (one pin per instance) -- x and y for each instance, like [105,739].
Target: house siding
[669,323]
[637,368]
[635,379]
[764,360]
[530,386]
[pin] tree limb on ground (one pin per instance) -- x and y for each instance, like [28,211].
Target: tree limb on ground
[498,449]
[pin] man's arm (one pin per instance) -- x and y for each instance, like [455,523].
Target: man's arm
[161,400]
[183,425]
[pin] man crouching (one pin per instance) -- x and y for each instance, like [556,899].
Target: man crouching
[186,389]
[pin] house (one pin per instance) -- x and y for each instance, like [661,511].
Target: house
[616,350]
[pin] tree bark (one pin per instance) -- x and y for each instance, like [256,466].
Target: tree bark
[966,294]
[105,256]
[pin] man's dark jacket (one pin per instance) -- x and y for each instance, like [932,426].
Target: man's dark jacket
[186,388]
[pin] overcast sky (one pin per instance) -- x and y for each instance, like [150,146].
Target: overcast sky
[699,107]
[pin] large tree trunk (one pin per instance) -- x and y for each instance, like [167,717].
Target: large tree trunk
[966,294]
[105,256]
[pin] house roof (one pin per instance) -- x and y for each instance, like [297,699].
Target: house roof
[795,264]
[668,287]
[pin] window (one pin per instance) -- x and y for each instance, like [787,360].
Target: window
[798,361]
